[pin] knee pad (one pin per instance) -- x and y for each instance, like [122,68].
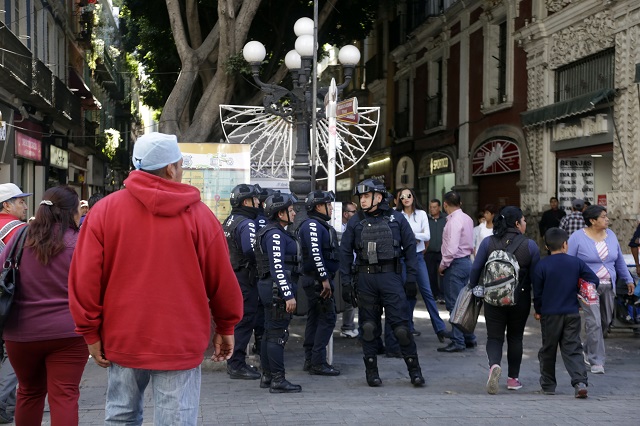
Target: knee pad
[403,334]
[368,331]
[278,336]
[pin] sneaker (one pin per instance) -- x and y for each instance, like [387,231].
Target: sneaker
[513,384]
[548,392]
[586,361]
[597,369]
[494,377]
[581,390]
[349,334]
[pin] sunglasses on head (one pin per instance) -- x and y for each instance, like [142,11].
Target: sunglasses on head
[406,197]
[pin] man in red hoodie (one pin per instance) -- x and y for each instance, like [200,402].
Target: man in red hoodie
[150,267]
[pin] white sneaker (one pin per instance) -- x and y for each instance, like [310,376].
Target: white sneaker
[586,361]
[349,334]
[597,369]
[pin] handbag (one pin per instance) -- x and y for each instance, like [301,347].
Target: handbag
[9,275]
[466,311]
[587,291]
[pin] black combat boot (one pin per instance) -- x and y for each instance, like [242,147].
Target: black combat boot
[265,380]
[371,365]
[281,385]
[415,373]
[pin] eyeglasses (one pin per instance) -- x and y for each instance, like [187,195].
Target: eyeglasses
[406,197]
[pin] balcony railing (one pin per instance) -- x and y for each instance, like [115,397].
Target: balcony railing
[65,101]
[42,81]
[15,57]
[108,72]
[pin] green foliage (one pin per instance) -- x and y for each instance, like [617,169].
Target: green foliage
[147,33]
[111,143]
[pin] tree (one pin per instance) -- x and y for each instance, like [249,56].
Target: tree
[192,50]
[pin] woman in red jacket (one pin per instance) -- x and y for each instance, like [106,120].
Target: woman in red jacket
[45,352]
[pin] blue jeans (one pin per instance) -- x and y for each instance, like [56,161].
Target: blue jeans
[8,384]
[424,286]
[456,276]
[176,396]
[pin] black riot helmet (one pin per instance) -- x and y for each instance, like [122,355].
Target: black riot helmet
[373,186]
[243,191]
[265,193]
[318,197]
[370,185]
[277,202]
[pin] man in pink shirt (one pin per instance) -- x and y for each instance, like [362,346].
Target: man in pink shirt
[457,247]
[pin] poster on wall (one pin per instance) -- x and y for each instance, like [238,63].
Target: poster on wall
[215,168]
[575,180]
[495,157]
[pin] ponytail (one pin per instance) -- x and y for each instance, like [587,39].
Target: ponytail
[506,219]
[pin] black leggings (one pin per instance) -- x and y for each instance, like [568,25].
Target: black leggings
[511,319]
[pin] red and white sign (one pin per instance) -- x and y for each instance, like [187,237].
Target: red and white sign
[495,157]
[602,200]
[28,147]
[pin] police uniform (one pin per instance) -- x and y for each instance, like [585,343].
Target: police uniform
[320,260]
[258,329]
[240,230]
[380,238]
[278,261]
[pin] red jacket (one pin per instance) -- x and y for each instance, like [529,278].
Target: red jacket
[150,264]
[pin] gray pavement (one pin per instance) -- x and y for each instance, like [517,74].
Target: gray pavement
[455,392]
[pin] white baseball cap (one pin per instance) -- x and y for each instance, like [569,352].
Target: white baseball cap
[11,190]
[155,150]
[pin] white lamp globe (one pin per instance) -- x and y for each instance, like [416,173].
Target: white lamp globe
[303,26]
[254,51]
[349,55]
[304,45]
[292,60]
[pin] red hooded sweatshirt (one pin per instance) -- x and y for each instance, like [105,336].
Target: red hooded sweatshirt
[150,267]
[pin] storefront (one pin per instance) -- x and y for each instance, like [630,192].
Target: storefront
[584,151]
[436,176]
[495,167]
[58,166]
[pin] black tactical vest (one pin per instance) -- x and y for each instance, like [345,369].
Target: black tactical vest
[376,241]
[238,259]
[332,252]
[291,263]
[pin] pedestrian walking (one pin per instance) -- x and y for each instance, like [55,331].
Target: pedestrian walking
[380,236]
[150,270]
[433,255]
[555,300]
[46,353]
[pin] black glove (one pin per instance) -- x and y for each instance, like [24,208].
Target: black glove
[347,293]
[411,289]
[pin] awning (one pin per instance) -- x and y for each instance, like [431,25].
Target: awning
[79,88]
[560,110]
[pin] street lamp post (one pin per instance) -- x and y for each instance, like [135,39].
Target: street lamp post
[302,100]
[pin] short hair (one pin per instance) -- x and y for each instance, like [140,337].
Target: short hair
[452,198]
[553,198]
[592,212]
[346,204]
[480,214]
[586,203]
[435,200]
[554,238]
[491,208]
[94,199]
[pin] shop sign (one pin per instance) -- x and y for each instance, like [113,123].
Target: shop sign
[587,126]
[495,157]
[435,164]
[59,158]
[3,131]
[602,200]
[344,185]
[28,147]
[575,180]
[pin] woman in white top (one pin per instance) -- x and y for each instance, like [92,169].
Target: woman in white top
[410,207]
[483,232]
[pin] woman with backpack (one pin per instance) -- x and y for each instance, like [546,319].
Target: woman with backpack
[509,227]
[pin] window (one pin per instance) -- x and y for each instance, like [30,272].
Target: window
[401,126]
[434,95]
[586,75]
[498,64]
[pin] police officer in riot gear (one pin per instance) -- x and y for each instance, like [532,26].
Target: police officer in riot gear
[380,236]
[240,230]
[261,222]
[278,260]
[320,262]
